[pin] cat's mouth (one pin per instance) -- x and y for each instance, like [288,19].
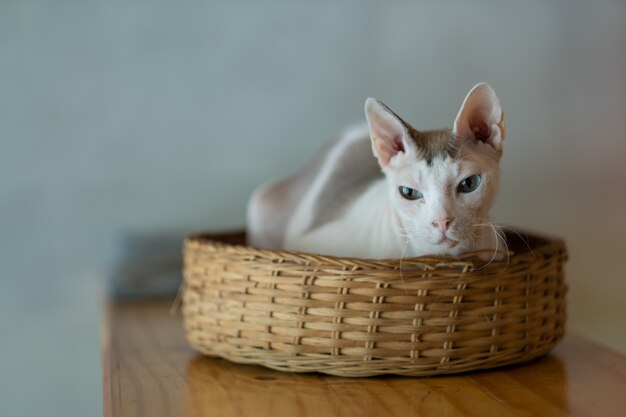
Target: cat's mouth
[449,243]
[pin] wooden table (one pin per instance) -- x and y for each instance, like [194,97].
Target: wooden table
[150,370]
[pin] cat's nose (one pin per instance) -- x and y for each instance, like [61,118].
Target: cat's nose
[443,224]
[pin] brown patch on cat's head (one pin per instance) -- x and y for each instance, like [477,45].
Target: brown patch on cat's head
[433,144]
[430,144]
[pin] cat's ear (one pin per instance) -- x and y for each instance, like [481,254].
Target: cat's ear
[481,117]
[387,131]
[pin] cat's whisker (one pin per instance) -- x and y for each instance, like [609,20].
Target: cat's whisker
[400,266]
[523,238]
[497,229]
[407,233]
[460,152]
[461,158]
[498,236]
[406,236]
[495,250]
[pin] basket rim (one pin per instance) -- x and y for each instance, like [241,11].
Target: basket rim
[542,242]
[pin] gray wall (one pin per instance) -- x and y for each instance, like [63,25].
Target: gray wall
[137,116]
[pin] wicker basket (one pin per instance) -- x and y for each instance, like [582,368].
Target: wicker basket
[300,312]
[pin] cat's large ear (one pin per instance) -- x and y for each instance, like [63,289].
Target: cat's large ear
[387,131]
[481,117]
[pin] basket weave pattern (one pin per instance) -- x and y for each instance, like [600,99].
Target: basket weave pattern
[355,317]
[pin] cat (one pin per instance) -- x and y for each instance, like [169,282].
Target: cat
[387,190]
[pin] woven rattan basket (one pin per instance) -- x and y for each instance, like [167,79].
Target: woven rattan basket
[300,312]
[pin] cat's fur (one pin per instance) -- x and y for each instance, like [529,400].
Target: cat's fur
[348,203]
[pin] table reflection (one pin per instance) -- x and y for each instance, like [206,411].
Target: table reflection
[217,387]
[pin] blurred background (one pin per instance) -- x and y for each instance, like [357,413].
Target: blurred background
[136,118]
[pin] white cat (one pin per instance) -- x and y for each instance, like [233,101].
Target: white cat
[432,197]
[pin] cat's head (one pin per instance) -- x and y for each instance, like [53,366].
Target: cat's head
[442,182]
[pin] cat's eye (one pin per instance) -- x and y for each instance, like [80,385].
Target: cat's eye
[410,193]
[469,184]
